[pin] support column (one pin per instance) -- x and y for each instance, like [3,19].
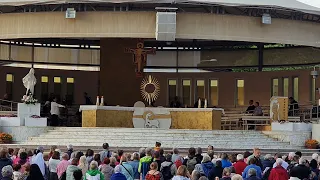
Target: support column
[118,82]
[260,64]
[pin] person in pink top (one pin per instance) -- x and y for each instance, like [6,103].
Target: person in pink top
[63,165]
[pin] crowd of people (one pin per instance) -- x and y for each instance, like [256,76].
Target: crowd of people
[153,164]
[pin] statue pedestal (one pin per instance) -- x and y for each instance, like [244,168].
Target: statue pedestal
[27,110]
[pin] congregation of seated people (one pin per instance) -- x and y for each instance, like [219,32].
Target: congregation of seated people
[153,164]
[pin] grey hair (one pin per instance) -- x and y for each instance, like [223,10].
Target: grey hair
[279,161]
[93,165]
[206,158]
[195,175]
[302,161]
[240,157]
[7,171]
[236,177]
[148,151]
[252,172]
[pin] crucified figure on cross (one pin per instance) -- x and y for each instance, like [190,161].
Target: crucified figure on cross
[140,57]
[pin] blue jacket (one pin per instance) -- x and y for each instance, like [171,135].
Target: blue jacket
[225,163]
[267,163]
[127,170]
[207,167]
[135,167]
[257,168]
[118,176]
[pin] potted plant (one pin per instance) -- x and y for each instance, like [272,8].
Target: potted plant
[5,138]
[311,144]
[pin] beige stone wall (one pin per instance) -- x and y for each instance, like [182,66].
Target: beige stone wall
[143,25]
[51,55]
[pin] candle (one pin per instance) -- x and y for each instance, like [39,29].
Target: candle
[97,101]
[199,103]
[102,101]
[205,103]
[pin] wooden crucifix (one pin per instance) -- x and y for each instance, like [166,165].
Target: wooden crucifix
[140,56]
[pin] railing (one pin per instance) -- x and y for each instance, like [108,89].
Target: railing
[6,105]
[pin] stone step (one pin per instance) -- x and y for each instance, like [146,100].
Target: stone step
[198,135]
[135,130]
[152,141]
[242,147]
[153,136]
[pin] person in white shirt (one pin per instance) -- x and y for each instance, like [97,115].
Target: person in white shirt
[55,112]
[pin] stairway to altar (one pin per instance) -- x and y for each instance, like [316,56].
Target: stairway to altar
[135,138]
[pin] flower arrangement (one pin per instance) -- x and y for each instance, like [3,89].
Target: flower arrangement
[311,144]
[35,116]
[5,138]
[29,99]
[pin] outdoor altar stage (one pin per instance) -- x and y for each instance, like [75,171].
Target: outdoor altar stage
[152,117]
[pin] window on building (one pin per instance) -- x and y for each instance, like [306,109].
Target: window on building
[213,93]
[44,88]
[275,87]
[70,91]
[200,89]
[296,88]
[186,92]
[313,91]
[57,87]
[9,85]
[172,89]
[285,82]
[240,92]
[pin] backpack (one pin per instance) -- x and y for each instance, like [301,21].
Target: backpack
[191,163]
[153,177]
[178,163]
[166,172]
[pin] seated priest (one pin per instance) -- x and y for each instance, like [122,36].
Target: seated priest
[250,108]
[257,110]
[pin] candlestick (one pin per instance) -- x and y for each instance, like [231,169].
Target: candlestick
[102,101]
[97,101]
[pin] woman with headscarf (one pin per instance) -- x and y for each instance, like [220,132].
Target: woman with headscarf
[35,173]
[83,165]
[38,160]
[117,174]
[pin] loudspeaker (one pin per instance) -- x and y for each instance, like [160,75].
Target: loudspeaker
[266,19]
[166,26]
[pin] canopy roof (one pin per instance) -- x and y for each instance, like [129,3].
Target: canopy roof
[278,4]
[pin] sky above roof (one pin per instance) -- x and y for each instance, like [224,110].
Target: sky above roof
[315,3]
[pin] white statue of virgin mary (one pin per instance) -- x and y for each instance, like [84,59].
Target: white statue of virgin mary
[29,81]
